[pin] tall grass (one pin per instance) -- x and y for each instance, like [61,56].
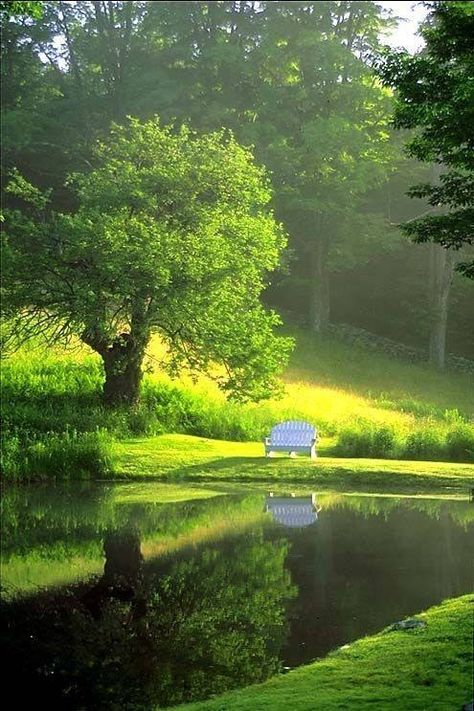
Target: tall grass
[54,423]
[69,455]
[429,441]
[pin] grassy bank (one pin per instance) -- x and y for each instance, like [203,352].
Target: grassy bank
[182,457]
[365,405]
[429,668]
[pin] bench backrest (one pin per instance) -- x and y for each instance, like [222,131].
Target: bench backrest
[294,432]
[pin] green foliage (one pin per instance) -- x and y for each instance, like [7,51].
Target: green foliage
[185,628]
[328,144]
[246,69]
[294,80]
[365,440]
[426,443]
[435,97]
[430,442]
[172,234]
[17,8]
[460,444]
[69,455]
[363,404]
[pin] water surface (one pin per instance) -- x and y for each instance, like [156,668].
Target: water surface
[121,597]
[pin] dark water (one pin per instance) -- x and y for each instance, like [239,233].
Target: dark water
[113,599]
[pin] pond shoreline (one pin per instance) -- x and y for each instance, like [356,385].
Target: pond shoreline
[409,669]
[381,557]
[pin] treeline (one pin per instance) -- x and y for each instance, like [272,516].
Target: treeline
[294,80]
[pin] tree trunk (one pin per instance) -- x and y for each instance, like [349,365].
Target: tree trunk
[441,274]
[319,294]
[122,359]
[123,371]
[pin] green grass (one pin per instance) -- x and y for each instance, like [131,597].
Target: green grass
[341,388]
[68,455]
[429,668]
[365,405]
[186,458]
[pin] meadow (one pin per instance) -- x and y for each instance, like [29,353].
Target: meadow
[364,404]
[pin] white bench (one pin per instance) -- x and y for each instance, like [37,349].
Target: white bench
[292,436]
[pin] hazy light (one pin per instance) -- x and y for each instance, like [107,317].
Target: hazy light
[411,15]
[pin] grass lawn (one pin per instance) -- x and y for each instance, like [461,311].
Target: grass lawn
[184,457]
[332,381]
[410,670]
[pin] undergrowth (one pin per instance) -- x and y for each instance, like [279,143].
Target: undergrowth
[54,423]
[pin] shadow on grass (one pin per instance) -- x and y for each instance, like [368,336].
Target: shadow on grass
[261,469]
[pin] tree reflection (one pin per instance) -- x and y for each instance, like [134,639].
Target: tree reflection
[157,633]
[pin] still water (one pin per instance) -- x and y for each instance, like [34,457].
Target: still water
[141,595]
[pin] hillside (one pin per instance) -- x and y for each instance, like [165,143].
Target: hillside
[342,388]
[364,404]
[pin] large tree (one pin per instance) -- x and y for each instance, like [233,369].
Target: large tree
[171,234]
[293,79]
[435,98]
[322,129]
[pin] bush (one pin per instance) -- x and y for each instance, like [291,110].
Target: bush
[460,444]
[52,412]
[56,456]
[426,443]
[366,440]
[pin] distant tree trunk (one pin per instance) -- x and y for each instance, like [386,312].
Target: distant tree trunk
[319,292]
[441,274]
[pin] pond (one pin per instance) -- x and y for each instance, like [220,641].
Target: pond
[133,596]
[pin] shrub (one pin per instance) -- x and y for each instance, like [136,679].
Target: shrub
[70,455]
[460,444]
[426,443]
[52,401]
[366,440]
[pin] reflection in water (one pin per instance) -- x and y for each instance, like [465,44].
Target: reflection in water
[162,632]
[122,578]
[364,570]
[293,511]
[193,598]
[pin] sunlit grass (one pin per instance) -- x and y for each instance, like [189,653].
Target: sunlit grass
[185,458]
[333,385]
[364,405]
[409,670]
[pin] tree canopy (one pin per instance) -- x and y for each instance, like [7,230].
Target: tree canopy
[294,80]
[171,234]
[435,98]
